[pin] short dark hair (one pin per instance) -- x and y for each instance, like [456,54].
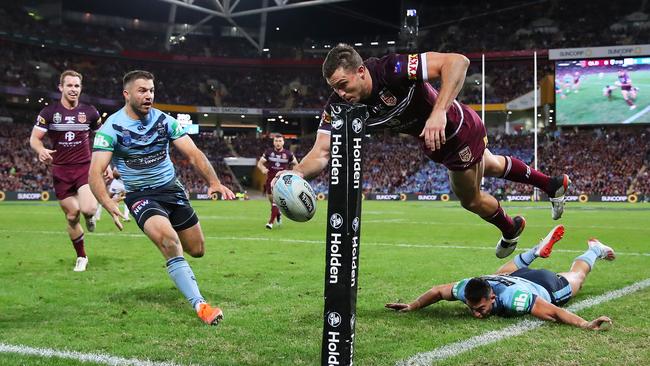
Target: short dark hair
[136,74]
[477,289]
[278,136]
[343,55]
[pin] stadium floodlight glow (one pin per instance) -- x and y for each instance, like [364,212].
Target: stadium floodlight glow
[509,112]
[374,43]
[277,28]
[390,42]
[136,20]
[551,110]
[271,119]
[317,117]
[27,100]
[280,117]
[42,45]
[327,46]
[243,116]
[358,44]
[205,114]
[38,67]
[265,50]
[313,46]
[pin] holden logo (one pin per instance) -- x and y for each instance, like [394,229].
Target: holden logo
[337,123]
[336,221]
[356,125]
[334,319]
[355,224]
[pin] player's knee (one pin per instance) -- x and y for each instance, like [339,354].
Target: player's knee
[169,243]
[197,250]
[471,205]
[72,217]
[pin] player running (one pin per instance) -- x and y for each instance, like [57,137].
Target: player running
[399,97]
[68,124]
[136,139]
[516,289]
[273,161]
[627,90]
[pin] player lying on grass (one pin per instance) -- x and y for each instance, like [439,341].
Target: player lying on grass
[516,289]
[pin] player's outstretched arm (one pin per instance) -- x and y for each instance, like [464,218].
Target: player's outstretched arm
[98,166]
[435,294]
[260,165]
[544,310]
[316,159]
[36,143]
[202,165]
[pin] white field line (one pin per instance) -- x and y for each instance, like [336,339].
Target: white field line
[637,115]
[308,241]
[98,358]
[454,349]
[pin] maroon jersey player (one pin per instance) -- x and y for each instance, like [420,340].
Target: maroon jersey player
[68,124]
[399,97]
[273,161]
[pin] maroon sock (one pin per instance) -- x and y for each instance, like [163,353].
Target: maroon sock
[79,246]
[629,102]
[501,220]
[517,171]
[275,212]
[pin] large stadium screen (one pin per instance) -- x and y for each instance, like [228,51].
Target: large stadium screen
[606,91]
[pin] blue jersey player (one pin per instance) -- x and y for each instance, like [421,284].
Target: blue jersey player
[136,140]
[516,289]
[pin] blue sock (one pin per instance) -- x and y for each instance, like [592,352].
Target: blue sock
[590,256]
[524,259]
[181,273]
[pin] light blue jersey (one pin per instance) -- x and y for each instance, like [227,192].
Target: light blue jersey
[514,295]
[140,148]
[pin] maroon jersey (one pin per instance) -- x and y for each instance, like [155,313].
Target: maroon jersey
[68,130]
[277,161]
[401,98]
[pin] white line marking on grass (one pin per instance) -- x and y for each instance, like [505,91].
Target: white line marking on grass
[308,241]
[637,115]
[454,349]
[99,358]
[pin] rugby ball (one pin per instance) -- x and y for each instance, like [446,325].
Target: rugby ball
[295,197]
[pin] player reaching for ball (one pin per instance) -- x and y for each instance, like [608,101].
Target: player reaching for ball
[400,98]
[516,289]
[273,161]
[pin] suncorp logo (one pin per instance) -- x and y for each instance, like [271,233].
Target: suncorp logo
[518,198]
[427,197]
[613,198]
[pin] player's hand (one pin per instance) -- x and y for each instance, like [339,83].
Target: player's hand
[114,210]
[45,156]
[402,308]
[600,323]
[226,193]
[264,171]
[434,130]
[108,174]
[283,172]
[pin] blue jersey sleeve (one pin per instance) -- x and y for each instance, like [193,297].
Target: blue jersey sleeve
[517,301]
[458,291]
[174,128]
[105,138]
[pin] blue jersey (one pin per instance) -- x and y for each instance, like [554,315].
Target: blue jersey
[140,147]
[514,295]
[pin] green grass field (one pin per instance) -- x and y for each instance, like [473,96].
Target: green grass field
[270,285]
[589,106]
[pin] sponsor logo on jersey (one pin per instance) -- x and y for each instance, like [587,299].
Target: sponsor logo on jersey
[413,67]
[465,154]
[147,160]
[126,138]
[102,141]
[69,119]
[138,206]
[40,120]
[387,97]
[69,136]
[57,117]
[81,117]
[520,301]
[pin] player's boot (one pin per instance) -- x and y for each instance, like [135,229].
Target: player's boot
[91,224]
[81,264]
[209,315]
[560,185]
[506,246]
[606,253]
[269,226]
[545,246]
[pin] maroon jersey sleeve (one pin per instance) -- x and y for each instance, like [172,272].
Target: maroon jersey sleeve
[404,69]
[43,119]
[95,120]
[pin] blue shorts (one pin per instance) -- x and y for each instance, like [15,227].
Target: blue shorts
[169,200]
[557,286]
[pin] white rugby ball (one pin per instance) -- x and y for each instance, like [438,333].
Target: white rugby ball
[295,197]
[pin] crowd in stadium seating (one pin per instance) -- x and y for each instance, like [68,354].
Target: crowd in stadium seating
[608,161]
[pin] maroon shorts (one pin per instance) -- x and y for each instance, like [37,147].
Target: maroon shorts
[626,87]
[267,186]
[464,149]
[68,179]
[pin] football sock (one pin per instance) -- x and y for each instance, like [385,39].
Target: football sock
[524,259]
[98,213]
[78,244]
[590,256]
[275,212]
[517,171]
[629,102]
[501,220]
[181,273]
